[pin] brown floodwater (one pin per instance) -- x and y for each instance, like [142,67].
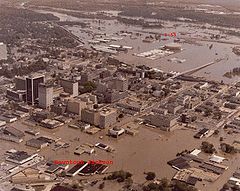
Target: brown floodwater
[195,54]
[148,151]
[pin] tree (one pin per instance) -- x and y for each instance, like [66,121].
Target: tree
[227,148]
[89,86]
[75,186]
[208,147]
[95,106]
[216,132]
[120,115]
[164,184]
[120,176]
[151,186]
[150,176]
[181,186]
[128,182]
[102,185]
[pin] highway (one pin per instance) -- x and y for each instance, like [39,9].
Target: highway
[193,70]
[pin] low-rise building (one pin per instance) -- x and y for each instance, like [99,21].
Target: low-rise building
[203,132]
[36,143]
[111,96]
[50,123]
[16,95]
[76,169]
[9,118]
[116,132]
[2,123]
[20,157]
[11,134]
[132,105]
[164,122]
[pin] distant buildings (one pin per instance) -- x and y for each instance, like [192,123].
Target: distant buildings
[173,46]
[119,83]
[116,83]
[89,76]
[111,96]
[132,106]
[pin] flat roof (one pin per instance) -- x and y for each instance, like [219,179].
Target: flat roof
[90,169]
[76,168]
[19,156]
[14,132]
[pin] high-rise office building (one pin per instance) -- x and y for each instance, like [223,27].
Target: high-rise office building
[70,86]
[3,51]
[45,93]
[32,83]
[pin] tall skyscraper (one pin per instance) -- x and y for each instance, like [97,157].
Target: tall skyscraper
[32,83]
[45,93]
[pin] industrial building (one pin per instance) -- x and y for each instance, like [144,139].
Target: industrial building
[11,134]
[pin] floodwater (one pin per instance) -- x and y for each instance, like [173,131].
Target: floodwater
[195,55]
[148,151]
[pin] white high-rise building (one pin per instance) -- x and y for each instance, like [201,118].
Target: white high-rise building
[45,93]
[3,51]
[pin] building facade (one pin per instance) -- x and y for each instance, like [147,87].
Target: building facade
[32,83]
[70,86]
[45,93]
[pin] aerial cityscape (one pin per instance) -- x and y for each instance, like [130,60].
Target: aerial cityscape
[120,95]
